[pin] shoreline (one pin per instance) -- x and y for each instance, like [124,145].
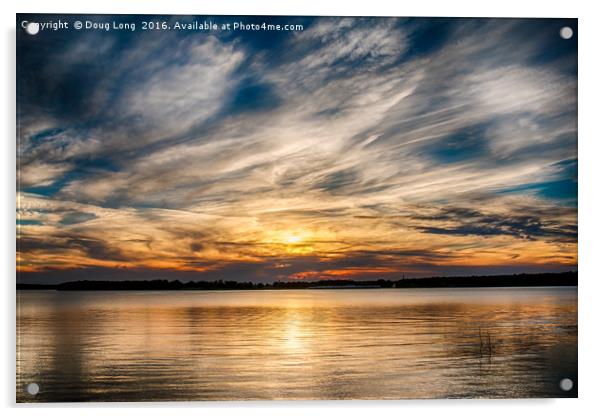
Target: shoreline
[520,280]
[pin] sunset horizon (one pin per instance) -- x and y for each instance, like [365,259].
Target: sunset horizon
[356,148]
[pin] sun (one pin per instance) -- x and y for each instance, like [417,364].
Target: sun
[292,238]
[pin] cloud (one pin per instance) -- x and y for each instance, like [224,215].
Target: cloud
[470,222]
[382,144]
[40,174]
[75,217]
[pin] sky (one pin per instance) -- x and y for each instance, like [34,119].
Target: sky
[356,148]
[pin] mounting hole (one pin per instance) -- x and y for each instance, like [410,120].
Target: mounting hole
[32,28]
[33,388]
[566,384]
[566,32]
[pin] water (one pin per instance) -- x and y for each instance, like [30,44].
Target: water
[296,344]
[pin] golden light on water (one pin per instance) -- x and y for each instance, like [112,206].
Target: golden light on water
[311,344]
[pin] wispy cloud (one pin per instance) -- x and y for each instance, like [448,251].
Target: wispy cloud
[400,145]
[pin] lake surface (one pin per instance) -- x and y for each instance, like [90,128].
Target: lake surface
[296,344]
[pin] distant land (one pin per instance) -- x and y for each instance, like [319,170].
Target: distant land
[515,280]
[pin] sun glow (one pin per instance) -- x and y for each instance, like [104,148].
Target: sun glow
[296,241]
[293,238]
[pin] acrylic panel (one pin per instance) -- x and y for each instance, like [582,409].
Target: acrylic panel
[295,208]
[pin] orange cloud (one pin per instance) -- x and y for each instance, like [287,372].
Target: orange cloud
[343,274]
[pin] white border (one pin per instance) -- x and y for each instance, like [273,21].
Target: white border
[508,8]
[590,290]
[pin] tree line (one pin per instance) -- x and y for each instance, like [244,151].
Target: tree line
[520,280]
